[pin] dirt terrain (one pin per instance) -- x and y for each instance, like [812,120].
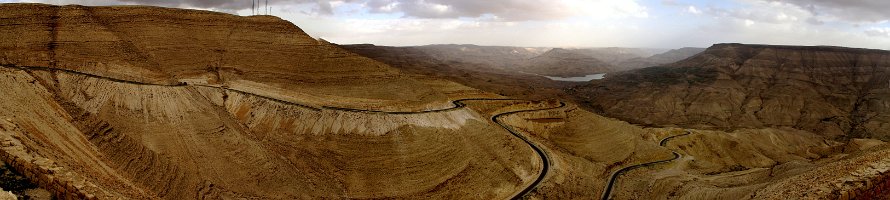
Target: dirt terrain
[137,102]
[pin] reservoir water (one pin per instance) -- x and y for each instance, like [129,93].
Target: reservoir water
[577,79]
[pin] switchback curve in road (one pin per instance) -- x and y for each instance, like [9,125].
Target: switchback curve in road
[545,159]
[607,192]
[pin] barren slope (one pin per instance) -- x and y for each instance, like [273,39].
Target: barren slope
[146,102]
[825,90]
[170,46]
[155,103]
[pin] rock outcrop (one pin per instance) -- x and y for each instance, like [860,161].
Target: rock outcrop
[825,90]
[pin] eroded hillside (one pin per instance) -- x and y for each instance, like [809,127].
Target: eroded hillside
[146,102]
[257,53]
[826,90]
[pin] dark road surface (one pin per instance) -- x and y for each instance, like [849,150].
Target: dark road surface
[607,193]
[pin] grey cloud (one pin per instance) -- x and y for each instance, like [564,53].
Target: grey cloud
[220,4]
[505,10]
[208,4]
[231,5]
[850,10]
[815,21]
[672,3]
[877,32]
[755,15]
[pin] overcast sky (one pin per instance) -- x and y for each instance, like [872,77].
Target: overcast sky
[570,23]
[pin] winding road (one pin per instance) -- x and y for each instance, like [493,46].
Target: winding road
[457,104]
[608,191]
[545,159]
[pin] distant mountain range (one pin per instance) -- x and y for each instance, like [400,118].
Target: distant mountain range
[564,62]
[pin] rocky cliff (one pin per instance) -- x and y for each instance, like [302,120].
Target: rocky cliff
[826,90]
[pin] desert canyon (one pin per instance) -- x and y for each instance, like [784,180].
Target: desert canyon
[142,102]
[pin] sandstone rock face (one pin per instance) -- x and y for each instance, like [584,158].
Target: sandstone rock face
[826,90]
[170,46]
[565,63]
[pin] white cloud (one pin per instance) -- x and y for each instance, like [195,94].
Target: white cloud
[510,10]
[763,12]
[693,10]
